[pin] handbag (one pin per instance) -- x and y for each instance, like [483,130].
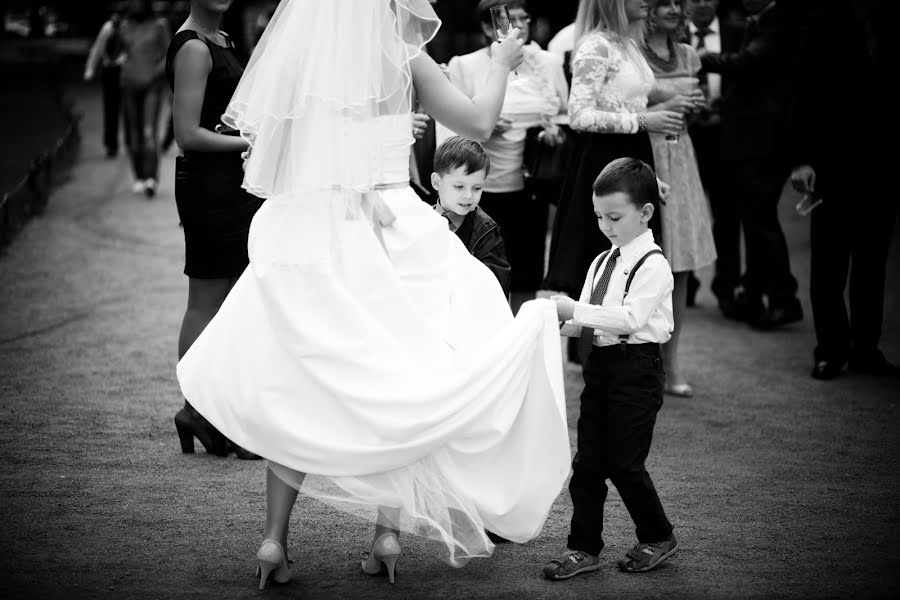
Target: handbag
[544,165]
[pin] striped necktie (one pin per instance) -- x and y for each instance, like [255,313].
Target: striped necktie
[586,339]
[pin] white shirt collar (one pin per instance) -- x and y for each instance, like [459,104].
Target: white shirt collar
[637,247]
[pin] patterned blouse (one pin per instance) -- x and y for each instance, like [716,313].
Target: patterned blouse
[608,91]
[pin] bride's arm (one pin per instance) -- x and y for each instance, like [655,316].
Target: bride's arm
[470,117]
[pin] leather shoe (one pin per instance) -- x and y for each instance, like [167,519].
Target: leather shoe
[874,364]
[743,307]
[827,369]
[777,315]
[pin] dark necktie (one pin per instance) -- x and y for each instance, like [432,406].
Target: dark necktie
[587,333]
[701,34]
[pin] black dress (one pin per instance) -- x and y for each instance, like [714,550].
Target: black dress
[577,239]
[215,210]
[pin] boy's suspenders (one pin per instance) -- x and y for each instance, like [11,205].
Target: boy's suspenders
[623,339]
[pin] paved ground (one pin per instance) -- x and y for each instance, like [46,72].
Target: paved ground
[779,485]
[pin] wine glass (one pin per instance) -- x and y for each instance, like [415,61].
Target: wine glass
[500,19]
[807,203]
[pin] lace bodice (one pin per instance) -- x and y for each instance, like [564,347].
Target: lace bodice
[610,83]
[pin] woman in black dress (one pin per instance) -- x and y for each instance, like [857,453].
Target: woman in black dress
[203,70]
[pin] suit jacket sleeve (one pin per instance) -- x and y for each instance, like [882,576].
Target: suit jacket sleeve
[492,253]
[770,45]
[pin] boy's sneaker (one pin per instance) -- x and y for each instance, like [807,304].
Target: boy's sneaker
[570,564]
[646,557]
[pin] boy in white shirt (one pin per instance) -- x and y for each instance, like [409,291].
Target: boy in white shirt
[622,316]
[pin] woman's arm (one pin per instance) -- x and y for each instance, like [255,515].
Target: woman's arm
[590,69]
[470,117]
[590,111]
[163,38]
[97,49]
[192,66]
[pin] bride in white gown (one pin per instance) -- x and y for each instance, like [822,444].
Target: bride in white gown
[364,352]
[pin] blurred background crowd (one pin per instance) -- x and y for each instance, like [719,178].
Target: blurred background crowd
[766,68]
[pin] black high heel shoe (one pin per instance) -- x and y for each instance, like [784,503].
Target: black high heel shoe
[190,424]
[242,453]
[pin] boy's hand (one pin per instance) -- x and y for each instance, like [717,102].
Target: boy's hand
[565,307]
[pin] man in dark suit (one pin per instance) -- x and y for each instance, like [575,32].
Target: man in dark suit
[846,165]
[707,32]
[755,109]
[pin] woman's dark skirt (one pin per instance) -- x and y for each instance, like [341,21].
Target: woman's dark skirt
[522,217]
[577,239]
[215,212]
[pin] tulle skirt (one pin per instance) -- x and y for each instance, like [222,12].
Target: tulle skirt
[390,369]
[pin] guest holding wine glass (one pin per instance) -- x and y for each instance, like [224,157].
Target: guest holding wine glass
[203,69]
[536,97]
[687,234]
[851,229]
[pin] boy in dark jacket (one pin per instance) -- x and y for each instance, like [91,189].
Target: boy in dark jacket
[460,168]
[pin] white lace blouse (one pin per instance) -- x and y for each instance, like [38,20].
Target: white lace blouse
[608,91]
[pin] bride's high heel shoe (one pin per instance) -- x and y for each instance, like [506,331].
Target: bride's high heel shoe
[270,560]
[383,557]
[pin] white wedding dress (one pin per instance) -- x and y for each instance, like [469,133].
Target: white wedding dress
[384,360]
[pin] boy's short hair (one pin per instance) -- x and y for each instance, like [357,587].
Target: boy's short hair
[630,176]
[457,151]
[484,8]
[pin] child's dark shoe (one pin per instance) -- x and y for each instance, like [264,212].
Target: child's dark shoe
[646,557]
[570,564]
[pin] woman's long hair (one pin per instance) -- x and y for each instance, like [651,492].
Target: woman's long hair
[607,16]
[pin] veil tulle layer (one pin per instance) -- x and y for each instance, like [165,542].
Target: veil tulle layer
[322,77]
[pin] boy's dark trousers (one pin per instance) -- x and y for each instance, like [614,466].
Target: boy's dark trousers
[623,391]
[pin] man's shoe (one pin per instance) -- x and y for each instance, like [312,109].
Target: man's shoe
[778,315]
[646,557]
[873,364]
[570,564]
[827,369]
[744,307]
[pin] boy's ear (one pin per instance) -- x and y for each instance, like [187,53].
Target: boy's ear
[647,212]
[435,180]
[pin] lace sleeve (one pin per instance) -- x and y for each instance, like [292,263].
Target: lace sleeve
[593,104]
[693,61]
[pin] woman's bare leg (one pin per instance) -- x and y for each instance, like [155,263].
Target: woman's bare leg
[280,499]
[670,349]
[388,521]
[205,296]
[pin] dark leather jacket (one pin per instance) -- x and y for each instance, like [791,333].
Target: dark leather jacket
[482,237]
